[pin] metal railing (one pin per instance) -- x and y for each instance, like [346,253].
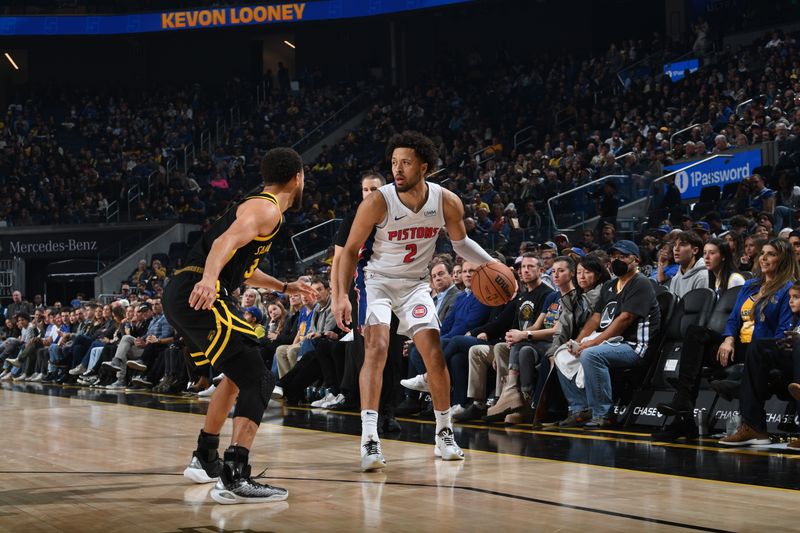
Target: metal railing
[647,197]
[7,277]
[679,132]
[205,140]
[744,103]
[112,211]
[150,182]
[261,92]
[308,247]
[318,130]
[594,183]
[134,193]
[480,152]
[170,166]
[187,150]
[517,140]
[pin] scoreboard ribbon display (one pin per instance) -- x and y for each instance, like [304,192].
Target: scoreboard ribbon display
[222,17]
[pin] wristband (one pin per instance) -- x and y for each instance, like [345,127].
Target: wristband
[285,286]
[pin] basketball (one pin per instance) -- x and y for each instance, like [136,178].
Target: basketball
[493,284]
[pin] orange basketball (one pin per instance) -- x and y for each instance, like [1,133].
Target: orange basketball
[493,284]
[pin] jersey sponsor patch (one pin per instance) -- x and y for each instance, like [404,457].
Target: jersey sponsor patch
[419,311]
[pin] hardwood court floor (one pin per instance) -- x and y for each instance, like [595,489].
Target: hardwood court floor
[73,464]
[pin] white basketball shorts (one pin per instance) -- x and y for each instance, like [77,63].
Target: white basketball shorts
[410,300]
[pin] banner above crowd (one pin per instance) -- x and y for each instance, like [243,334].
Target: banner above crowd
[221,17]
[715,172]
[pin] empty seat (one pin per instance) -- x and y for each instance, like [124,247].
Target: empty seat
[722,310]
[193,237]
[693,309]
[178,250]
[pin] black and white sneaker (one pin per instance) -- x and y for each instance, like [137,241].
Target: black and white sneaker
[446,446]
[138,365]
[236,486]
[371,456]
[200,471]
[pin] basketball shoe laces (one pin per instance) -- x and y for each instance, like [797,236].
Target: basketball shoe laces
[253,487]
[372,447]
[447,436]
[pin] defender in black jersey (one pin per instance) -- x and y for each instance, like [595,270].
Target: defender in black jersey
[198,305]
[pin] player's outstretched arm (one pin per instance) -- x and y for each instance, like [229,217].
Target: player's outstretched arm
[454,222]
[252,219]
[371,212]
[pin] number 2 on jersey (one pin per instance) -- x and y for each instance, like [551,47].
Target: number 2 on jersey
[412,251]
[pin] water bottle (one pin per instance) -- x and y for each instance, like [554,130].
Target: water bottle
[733,423]
[700,420]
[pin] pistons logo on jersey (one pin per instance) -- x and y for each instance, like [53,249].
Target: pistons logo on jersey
[419,311]
[413,233]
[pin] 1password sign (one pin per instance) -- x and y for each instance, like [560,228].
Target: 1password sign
[719,171]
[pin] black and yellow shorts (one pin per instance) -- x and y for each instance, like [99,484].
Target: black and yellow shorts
[212,335]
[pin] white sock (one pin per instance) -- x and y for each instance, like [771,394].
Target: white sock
[369,425]
[442,420]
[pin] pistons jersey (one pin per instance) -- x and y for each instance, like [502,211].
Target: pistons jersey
[403,245]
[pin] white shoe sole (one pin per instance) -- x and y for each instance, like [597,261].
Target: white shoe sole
[413,386]
[226,497]
[198,475]
[372,464]
[448,456]
[751,442]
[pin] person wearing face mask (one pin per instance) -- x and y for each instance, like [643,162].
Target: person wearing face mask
[625,320]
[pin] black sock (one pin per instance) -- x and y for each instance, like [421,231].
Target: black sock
[237,454]
[207,446]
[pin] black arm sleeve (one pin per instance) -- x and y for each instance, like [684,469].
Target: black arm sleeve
[344,231]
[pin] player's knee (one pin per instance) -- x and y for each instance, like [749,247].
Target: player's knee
[255,384]
[376,348]
[254,397]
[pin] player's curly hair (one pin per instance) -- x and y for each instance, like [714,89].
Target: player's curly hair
[280,165]
[423,147]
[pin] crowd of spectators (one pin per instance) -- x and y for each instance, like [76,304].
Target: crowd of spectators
[587,303]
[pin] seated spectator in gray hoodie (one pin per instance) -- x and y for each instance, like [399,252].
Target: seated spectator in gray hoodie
[692,273]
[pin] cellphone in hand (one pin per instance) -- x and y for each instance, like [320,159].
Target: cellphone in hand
[572,345]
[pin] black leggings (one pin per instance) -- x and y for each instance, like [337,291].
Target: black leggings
[700,346]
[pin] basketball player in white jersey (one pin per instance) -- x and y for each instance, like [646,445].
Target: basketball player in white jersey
[398,229]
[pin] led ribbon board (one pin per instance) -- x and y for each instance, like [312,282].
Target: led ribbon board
[219,17]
